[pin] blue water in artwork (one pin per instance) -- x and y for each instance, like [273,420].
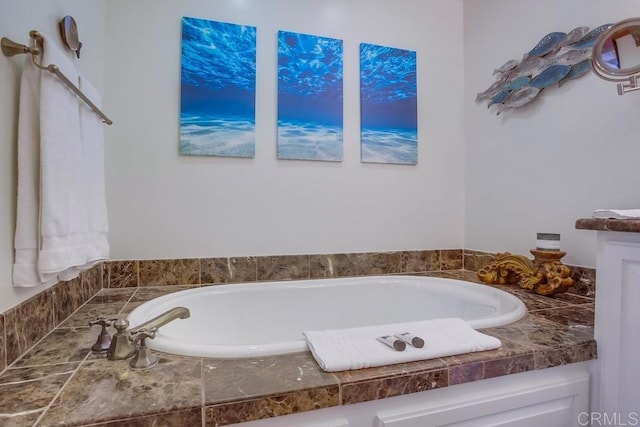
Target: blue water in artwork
[309,97]
[218,80]
[216,135]
[398,146]
[388,105]
[309,141]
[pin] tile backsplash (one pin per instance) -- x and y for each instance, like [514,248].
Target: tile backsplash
[118,274]
[24,325]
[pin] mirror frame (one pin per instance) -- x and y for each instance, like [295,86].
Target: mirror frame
[600,67]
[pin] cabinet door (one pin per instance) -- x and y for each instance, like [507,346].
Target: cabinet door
[617,326]
[557,406]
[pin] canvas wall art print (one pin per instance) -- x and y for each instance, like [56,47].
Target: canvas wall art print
[388,105]
[218,88]
[309,97]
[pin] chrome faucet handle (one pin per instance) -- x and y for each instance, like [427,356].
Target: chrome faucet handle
[104,339]
[143,358]
[142,334]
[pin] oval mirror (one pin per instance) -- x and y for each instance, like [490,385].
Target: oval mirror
[616,53]
[69,34]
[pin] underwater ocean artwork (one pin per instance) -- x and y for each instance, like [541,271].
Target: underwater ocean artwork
[218,87]
[310,91]
[388,105]
[556,59]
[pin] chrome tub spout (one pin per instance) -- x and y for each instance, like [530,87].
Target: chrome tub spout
[162,319]
[124,342]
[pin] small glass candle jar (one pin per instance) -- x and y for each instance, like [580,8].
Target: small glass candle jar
[548,242]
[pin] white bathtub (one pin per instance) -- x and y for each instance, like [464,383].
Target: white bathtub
[266,318]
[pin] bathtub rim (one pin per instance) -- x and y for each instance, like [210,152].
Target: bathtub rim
[172,346]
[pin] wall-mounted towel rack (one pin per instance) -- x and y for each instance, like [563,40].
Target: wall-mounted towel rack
[11,48]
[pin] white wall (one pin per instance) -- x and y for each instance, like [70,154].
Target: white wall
[17,18]
[535,169]
[163,205]
[539,168]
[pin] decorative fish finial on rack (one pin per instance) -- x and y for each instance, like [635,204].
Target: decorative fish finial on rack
[546,44]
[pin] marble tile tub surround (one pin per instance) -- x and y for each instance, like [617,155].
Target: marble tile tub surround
[26,324]
[119,274]
[22,326]
[59,382]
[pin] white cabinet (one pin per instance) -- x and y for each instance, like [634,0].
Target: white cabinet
[532,403]
[616,379]
[553,397]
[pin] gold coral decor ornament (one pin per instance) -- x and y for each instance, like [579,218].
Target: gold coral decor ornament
[545,275]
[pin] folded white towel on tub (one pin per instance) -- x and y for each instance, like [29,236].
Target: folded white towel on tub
[617,213]
[358,348]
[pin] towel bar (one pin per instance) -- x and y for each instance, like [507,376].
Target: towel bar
[11,48]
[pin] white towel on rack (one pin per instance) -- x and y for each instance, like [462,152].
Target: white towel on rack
[92,135]
[27,235]
[64,242]
[63,211]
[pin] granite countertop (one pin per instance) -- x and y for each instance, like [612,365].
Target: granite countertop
[59,382]
[624,225]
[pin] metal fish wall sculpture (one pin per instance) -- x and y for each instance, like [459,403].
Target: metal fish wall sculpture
[551,75]
[556,59]
[509,65]
[546,44]
[574,35]
[528,66]
[590,39]
[571,57]
[577,70]
[511,87]
[518,98]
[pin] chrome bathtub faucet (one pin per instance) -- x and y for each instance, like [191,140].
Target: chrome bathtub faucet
[122,347]
[131,342]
